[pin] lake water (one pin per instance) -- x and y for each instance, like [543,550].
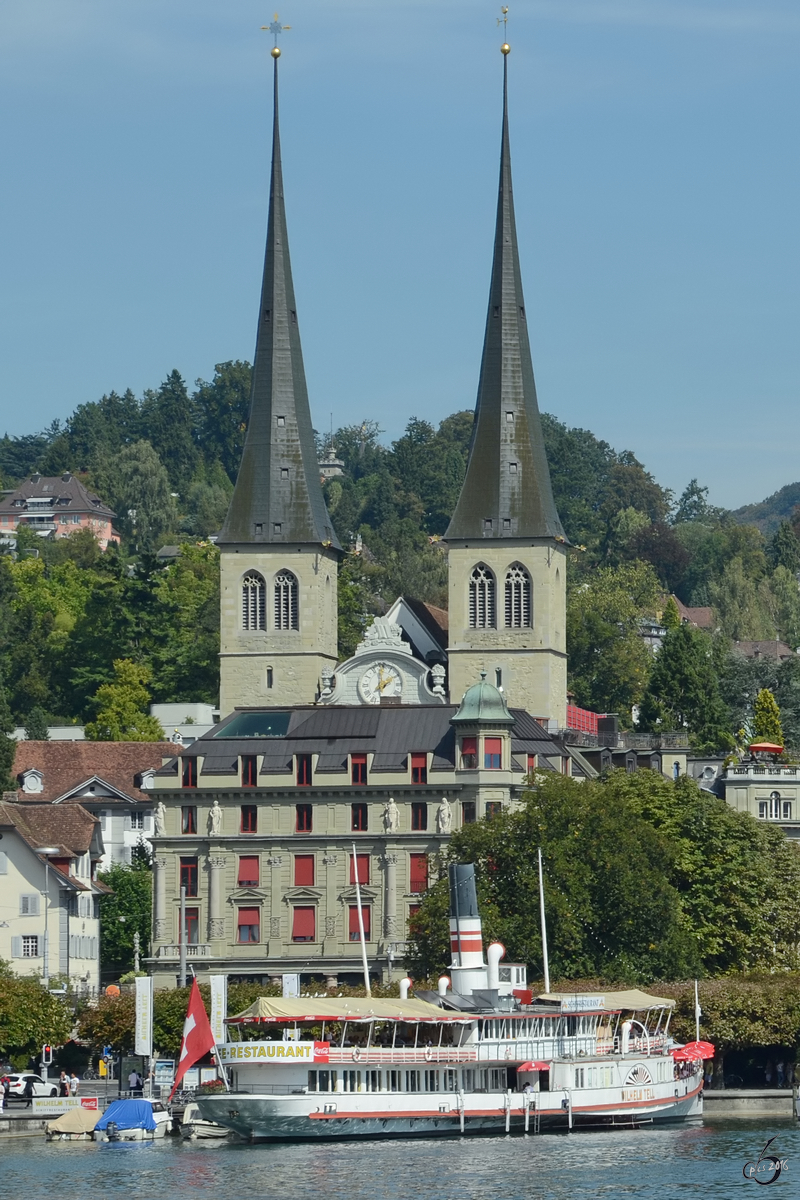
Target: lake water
[661,1164]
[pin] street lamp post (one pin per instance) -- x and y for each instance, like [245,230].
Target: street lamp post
[45,852]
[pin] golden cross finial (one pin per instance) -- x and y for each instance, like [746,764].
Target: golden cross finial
[504,22]
[276,29]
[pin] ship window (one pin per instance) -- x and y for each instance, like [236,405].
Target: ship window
[482,599]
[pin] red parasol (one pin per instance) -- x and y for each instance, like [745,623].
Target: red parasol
[766,748]
[693,1051]
[534,1066]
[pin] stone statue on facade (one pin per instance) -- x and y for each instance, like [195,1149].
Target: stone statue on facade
[391,817]
[160,819]
[215,820]
[444,817]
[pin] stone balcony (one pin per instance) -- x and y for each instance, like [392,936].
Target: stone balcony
[197,950]
[764,771]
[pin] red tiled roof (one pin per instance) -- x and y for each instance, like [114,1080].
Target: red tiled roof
[702,617]
[764,649]
[70,828]
[64,765]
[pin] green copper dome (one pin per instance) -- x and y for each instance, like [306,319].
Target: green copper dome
[483,705]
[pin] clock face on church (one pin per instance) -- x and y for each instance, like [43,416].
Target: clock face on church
[381,679]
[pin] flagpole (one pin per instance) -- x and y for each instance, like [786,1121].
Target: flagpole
[361,925]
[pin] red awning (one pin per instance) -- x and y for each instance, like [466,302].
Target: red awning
[693,1051]
[534,1066]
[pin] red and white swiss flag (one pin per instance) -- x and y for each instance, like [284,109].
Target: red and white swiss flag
[197,1036]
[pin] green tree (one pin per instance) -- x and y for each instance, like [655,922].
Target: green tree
[683,690]
[784,597]
[767,718]
[609,662]
[8,745]
[784,548]
[221,410]
[126,911]
[29,1016]
[140,488]
[120,707]
[185,663]
[36,726]
[167,421]
[671,616]
[740,605]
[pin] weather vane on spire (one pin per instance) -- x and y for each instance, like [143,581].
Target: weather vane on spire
[276,29]
[504,22]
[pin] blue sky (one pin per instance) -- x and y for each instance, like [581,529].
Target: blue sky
[655,154]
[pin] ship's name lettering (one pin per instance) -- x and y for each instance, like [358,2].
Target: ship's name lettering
[238,1051]
[629,1094]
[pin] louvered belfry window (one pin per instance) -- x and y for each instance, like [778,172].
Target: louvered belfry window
[286,600]
[481,599]
[518,598]
[254,601]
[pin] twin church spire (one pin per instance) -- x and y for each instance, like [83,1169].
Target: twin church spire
[278,496]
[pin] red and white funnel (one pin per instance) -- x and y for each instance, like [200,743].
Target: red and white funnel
[468,968]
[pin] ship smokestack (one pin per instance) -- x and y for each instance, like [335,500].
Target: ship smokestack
[468,969]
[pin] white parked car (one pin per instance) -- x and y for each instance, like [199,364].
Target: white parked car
[16,1089]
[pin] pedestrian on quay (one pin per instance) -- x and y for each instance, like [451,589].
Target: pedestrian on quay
[73,1084]
[6,1091]
[63,1084]
[133,1079]
[28,1092]
[780,1070]
[768,1073]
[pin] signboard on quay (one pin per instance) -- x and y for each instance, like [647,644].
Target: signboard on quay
[52,1106]
[274,1052]
[144,1016]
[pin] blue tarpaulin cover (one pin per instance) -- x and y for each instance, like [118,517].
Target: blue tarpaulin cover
[128,1114]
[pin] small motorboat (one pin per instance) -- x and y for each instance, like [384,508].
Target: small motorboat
[195,1128]
[75,1125]
[133,1121]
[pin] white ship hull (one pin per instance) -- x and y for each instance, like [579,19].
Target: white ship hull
[334,1116]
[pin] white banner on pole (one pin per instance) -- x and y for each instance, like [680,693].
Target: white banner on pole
[219,1006]
[143,1043]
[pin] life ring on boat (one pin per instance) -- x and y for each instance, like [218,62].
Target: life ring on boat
[357,1054]
[428,1054]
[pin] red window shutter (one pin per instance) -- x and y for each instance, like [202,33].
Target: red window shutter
[469,745]
[418,873]
[362,861]
[531,763]
[249,916]
[304,870]
[419,768]
[249,871]
[304,924]
[493,753]
[353,929]
[358,769]
[249,925]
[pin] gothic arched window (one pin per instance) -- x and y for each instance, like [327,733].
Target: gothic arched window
[254,601]
[482,599]
[518,598]
[286,601]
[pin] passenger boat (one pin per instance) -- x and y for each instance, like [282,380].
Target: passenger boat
[476,1056]
[195,1128]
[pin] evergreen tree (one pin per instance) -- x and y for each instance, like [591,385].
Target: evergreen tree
[767,718]
[8,745]
[167,422]
[683,691]
[141,495]
[36,725]
[784,548]
[671,616]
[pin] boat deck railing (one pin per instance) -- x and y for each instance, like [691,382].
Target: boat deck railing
[401,1055]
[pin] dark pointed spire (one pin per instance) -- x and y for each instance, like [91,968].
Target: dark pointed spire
[507,490]
[278,497]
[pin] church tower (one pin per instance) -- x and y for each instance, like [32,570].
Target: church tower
[507,553]
[279,553]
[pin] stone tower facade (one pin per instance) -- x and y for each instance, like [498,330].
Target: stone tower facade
[279,553]
[507,550]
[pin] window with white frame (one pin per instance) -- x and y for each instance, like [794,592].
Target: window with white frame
[137,820]
[30,945]
[29,905]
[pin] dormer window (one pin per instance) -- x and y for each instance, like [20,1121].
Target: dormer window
[492,753]
[32,782]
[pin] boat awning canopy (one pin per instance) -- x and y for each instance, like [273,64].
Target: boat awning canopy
[128,1114]
[632,999]
[534,1066]
[75,1120]
[343,1008]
